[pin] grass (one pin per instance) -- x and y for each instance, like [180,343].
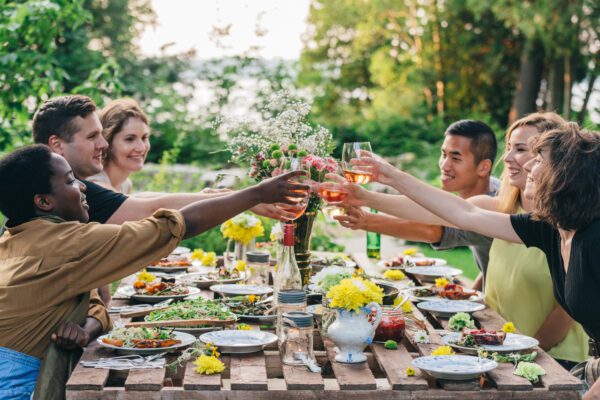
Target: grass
[460,257]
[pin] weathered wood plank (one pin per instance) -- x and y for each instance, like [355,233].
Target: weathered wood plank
[556,378]
[248,372]
[350,376]
[195,381]
[394,364]
[89,378]
[145,379]
[298,377]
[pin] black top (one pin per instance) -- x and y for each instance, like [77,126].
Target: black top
[103,202]
[578,289]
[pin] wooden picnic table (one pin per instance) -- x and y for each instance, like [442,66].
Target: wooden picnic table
[262,376]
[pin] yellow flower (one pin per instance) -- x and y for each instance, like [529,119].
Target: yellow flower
[212,349]
[394,275]
[243,327]
[252,298]
[508,327]
[242,228]
[353,293]
[208,365]
[240,265]
[410,371]
[197,254]
[359,272]
[410,252]
[146,276]
[441,282]
[209,259]
[407,307]
[443,351]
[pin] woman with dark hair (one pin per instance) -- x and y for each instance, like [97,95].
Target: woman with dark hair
[563,182]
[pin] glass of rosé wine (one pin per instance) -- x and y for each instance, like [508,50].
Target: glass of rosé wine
[353,171]
[301,202]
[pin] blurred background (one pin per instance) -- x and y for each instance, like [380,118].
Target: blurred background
[393,72]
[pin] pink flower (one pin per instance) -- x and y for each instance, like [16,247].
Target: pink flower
[284,149]
[273,162]
[332,165]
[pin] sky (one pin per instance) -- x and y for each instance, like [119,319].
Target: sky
[188,25]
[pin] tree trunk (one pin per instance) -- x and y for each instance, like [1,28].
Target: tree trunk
[568,86]
[556,84]
[528,84]
[588,94]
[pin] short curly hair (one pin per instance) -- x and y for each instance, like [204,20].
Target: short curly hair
[55,117]
[23,174]
[568,192]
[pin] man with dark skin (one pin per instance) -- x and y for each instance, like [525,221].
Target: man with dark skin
[466,160]
[49,249]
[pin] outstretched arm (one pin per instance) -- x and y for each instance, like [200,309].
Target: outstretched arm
[450,208]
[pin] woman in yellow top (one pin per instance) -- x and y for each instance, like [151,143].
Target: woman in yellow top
[518,284]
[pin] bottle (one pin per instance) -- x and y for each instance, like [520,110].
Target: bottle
[288,274]
[374,243]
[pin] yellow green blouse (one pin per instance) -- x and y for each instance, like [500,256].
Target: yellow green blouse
[519,288]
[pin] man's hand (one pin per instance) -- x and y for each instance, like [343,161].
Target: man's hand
[272,211]
[355,218]
[283,188]
[383,172]
[70,336]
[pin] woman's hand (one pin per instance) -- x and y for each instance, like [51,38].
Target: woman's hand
[355,218]
[383,172]
[356,194]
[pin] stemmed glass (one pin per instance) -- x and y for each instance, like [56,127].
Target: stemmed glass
[288,165]
[355,172]
[334,194]
[226,181]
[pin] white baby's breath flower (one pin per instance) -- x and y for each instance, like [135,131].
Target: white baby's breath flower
[319,277]
[421,336]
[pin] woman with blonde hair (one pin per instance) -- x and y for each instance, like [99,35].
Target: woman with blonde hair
[126,129]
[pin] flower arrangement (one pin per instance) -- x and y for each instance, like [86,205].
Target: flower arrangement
[353,293]
[242,228]
[329,277]
[283,132]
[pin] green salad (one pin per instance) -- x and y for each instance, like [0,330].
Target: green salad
[199,308]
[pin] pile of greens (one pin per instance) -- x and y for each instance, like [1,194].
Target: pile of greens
[199,308]
[461,320]
[241,305]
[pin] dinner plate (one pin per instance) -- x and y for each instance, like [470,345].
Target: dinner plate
[241,290]
[447,308]
[457,367]
[430,273]
[410,292]
[186,340]
[194,278]
[144,298]
[239,341]
[512,343]
[180,250]
[438,262]
[168,270]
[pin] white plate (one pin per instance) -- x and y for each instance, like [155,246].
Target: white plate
[241,290]
[194,278]
[512,343]
[456,367]
[186,340]
[438,262]
[180,250]
[447,308]
[144,298]
[410,292]
[430,273]
[239,341]
[168,270]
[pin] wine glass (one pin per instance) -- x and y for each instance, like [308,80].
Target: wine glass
[355,172]
[288,165]
[226,181]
